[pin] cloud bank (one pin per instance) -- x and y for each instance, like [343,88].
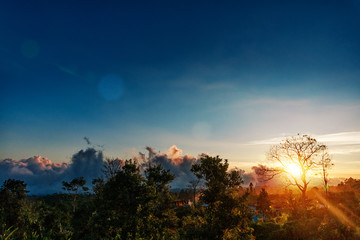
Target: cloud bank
[179,166]
[42,176]
[338,143]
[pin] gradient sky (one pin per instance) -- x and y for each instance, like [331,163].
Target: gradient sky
[227,79]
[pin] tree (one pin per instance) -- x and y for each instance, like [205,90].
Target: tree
[158,177]
[193,186]
[217,180]
[98,185]
[325,164]
[263,203]
[112,167]
[251,185]
[295,157]
[227,214]
[118,203]
[158,215]
[12,195]
[74,187]
[350,184]
[134,206]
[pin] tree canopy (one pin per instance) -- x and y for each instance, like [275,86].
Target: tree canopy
[227,216]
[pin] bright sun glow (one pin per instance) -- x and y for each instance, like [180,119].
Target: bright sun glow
[293,169]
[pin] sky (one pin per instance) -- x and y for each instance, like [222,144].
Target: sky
[226,79]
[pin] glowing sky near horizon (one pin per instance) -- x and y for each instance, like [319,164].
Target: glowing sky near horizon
[227,79]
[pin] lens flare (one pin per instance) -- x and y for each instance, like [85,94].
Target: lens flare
[342,216]
[111,87]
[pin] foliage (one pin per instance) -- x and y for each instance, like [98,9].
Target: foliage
[193,187]
[325,164]
[350,184]
[263,203]
[135,205]
[266,230]
[251,187]
[8,233]
[12,195]
[227,213]
[112,167]
[73,187]
[217,180]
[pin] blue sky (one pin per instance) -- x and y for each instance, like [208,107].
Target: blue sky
[208,77]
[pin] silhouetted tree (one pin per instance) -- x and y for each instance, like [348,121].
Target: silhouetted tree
[251,185]
[350,184]
[301,152]
[325,164]
[112,167]
[193,187]
[73,188]
[158,177]
[12,196]
[227,215]
[131,206]
[217,180]
[98,185]
[263,203]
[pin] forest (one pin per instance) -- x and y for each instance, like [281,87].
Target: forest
[133,201]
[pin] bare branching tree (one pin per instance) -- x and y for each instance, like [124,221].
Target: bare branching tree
[294,158]
[265,173]
[112,167]
[193,187]
[325,164]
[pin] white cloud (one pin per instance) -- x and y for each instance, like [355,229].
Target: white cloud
[341,138]
[338,143]
[43,176]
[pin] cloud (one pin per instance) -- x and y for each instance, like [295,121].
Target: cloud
[180,166]
[342,138]
[279,103]
[274,115]
[249,177]
[269,141]
[342,142]
[174,152]
[87,164]
[151,151]
[42,176]
[203,85]
[172,160]
[338,143]
[66,70]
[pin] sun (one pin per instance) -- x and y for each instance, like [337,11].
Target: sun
[293,169]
